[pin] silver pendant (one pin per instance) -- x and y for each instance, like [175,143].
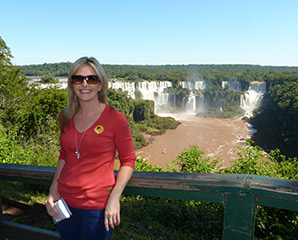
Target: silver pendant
[77,154]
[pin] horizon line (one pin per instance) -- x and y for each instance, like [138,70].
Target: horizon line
[171,64]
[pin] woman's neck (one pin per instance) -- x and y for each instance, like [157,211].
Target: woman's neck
[87,115]
[88,108]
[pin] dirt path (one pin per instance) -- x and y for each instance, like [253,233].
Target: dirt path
[217,138]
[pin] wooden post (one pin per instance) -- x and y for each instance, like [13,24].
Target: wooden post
[239,219]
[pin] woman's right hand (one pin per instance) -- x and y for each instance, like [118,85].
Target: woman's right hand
[50,203]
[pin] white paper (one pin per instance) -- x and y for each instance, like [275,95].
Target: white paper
[63,210]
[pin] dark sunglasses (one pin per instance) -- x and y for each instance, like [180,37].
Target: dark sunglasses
[78,79]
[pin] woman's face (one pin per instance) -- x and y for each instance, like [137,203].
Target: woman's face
[87,92]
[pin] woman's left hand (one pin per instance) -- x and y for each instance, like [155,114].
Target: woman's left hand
[112,212]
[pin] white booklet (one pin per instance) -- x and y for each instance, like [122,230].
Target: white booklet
[63,210]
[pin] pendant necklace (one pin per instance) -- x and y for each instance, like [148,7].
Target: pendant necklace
[77,153]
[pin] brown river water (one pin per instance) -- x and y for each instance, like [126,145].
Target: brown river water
[216,137]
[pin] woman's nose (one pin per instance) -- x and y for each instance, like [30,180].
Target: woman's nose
[85,83]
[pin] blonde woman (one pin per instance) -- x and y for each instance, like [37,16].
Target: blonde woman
[91,132]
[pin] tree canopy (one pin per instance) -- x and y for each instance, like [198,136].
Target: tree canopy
[276,121]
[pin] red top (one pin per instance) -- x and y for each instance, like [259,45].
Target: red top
[84,182]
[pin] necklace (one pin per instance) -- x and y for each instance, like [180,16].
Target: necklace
[77,153]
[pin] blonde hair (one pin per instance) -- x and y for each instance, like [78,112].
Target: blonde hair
[73,102]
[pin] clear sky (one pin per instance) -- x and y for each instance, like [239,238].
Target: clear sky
[153,32]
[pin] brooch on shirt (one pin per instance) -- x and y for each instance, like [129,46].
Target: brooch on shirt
[99,129]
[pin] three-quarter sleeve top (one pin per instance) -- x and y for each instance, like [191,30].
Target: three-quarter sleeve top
[84,182]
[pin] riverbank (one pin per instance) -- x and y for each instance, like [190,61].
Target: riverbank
[216,137]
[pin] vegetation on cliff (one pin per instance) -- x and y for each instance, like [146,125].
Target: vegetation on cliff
[276,121]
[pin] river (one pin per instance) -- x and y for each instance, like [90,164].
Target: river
[216,137]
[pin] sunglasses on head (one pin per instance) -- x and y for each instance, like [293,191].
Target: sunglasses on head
[78,79]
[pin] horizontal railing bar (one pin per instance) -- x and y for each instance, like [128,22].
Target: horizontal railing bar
[189,181]
[21,231]
[277,203]
[194,182]
[269,184]
[215,197]
[27,171]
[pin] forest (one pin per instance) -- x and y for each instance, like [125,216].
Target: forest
[215,73]
[29,134]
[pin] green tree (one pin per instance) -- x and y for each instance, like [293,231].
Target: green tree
[12,83]
[48,79]
[192,160]
[276,120]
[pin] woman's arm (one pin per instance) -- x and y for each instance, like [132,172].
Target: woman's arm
[112,212]
[53,194]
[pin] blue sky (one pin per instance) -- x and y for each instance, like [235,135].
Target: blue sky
[153,32]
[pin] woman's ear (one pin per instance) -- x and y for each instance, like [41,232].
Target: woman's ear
[99,87]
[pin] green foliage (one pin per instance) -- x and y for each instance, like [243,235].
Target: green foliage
[143,109]
[12,90]
[56,69]
[276,120]
[192,160]
[215,73]
[138,94]
[49,79]
[273,223]
[120,101]
[222,103]
[13,152]
[163,123]
[5,55]
[178,94]
[39,114]
[154,218]
[144,166]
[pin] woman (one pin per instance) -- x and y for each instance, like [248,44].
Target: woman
[91,131]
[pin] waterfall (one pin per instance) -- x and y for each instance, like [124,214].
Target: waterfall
[157,92]
[194,85]
[190,105]
[233,85]
[164,101]
[253,97]
[124,87]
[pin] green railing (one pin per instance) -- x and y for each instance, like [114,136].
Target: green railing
[239,193]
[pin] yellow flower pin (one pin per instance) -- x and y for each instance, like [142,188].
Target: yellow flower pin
[99,129]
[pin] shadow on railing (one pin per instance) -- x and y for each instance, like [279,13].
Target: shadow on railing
[239,193]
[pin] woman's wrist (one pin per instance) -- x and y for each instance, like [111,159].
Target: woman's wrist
[54,187]
[115,195]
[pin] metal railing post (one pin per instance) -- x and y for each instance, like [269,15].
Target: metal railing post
[239,217]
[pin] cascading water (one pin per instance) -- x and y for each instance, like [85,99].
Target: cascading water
[194,85]
[253,97]
[233,85]
[128,87]
[157,91]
